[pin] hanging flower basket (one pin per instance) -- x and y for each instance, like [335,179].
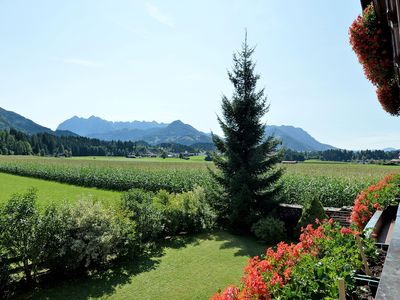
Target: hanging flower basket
[372,47]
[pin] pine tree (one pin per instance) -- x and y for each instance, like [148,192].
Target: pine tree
[247,161]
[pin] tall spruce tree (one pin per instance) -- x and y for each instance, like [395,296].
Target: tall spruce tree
[247,161]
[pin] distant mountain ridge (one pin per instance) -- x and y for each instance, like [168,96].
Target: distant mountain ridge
[151,132]
[95,125]
[178,132]
[175,132]
[10,119]
[295,138]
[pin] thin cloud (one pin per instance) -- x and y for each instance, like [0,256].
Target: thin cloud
[155,12]
[136,30]
[79,62]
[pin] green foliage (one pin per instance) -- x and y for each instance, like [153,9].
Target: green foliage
[247,161]
[66,143]
[18,220]
[312,210]
[94,235]
[4,276]
[190,212]
[166,214]
[208,157]
[315,276]
[270,230]
[145,213]
[62,239]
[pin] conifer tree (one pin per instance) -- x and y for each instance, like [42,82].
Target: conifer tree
[246,160]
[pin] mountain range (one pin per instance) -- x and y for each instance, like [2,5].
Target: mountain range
[10,119]
[152,132]
[295,138]
[178,132]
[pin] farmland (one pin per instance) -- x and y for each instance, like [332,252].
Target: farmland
[336,184]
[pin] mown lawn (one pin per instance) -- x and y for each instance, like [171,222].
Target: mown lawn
[187,268]
[52,192]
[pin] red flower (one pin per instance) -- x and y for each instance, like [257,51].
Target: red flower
[346,230]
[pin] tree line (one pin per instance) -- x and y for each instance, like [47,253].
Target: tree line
[14,142]
[341,155]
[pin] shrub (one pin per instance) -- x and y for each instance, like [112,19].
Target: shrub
[147,215]
[18,219]
[52,234]
[163,214]
[94,235]
[191,211]
[63,239]
[4,276]
[80,237]
[312,210]
[270,230]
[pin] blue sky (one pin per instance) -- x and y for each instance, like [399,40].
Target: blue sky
[167,60]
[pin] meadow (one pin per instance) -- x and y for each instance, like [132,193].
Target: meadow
[53,192]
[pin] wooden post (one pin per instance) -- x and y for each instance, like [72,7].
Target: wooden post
[342,289]
[364,259]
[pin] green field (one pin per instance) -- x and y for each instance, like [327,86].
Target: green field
[52,192]
[197,162]
[313,167]
[340,169]
[196,159]
[188,268]
[336,184]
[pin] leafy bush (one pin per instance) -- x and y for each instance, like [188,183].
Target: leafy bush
[4,276]
[92,235]
[190,212]
[147,215]
[312,210]
[270,230]
[63,239]
[52,234]
[162,214]
[18,219]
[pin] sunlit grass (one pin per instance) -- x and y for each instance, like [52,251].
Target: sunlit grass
[52,192]
[188,268]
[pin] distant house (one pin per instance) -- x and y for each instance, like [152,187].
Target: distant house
[395,161]
[289,161]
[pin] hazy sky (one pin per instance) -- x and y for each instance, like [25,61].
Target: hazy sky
[167,60]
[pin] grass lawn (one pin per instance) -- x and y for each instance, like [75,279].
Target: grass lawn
[52,192]
[188,268]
